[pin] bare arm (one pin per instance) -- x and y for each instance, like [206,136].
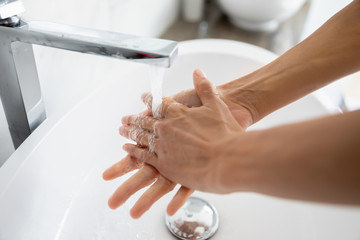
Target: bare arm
[317,160]
[333,51]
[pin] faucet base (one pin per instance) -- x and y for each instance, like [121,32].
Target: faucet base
[20,89]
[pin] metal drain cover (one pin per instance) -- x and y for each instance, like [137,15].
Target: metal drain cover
[197,219]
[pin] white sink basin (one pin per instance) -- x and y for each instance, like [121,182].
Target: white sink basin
[51,187]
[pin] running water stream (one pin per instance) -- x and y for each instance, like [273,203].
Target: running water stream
[156,75]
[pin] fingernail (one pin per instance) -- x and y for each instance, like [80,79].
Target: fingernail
[124,120]
[122,131]
[199,73]
[114,204]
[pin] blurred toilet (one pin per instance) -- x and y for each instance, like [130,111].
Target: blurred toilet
[260,15]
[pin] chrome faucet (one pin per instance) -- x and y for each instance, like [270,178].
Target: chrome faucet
[19,84]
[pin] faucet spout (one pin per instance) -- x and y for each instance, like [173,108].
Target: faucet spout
[23,106]
[139,49]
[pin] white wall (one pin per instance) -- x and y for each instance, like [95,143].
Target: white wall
[320,11]
[139,17]
[67,77]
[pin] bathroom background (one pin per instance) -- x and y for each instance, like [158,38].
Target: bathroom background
[67,78]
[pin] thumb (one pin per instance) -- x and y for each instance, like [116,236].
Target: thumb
[204,88]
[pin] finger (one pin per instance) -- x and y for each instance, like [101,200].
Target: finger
[144,177]
[147,100]
[170,108]
[141,153]
[161,187]
[141,121]
[188,97]
[179,200]
[205,89]
[140,136]
[122,167]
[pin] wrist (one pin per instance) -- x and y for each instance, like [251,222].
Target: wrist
[270,87]
[245,92]
[234,170]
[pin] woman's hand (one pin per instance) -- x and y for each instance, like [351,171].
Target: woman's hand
[147,173]
[184,145]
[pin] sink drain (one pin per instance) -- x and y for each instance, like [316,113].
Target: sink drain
[197,219]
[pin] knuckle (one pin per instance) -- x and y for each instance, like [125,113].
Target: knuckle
[138,162]
[163,127]
[136,119]
[171,108]
[152,172]
[158,127]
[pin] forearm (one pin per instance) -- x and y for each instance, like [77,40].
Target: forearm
[331,52]
[318,160]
